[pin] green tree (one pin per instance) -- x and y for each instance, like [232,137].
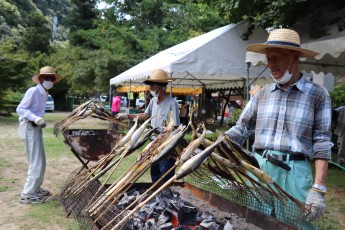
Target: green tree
[82,17]
[37,34]
[279,13]
[14,69]
[338,96]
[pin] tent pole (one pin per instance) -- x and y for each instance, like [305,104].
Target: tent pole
[247,83]
[129,100]
[110,97]
[171,84]
[247,95]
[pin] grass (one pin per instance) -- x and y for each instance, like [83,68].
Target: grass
[41,215]
[49,213]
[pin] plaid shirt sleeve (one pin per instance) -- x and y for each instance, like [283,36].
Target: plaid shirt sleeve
[245,126]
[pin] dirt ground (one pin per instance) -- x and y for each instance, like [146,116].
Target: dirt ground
[13,171]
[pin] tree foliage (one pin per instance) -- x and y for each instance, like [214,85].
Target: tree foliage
[37,34]
[338,96]
[282,13]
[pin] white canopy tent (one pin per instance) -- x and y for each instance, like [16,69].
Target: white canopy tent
[212,60]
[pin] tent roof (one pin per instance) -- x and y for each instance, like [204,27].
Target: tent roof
[212,60]
[175,91]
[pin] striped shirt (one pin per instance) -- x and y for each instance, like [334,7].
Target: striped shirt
[295,120]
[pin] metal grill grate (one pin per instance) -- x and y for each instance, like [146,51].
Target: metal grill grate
[286,212]
[75,204]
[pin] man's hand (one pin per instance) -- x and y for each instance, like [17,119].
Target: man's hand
[316,205]
[121,116]
[39,121]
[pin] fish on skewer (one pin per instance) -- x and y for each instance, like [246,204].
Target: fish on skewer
[146,153]
[189,166]
[185,155]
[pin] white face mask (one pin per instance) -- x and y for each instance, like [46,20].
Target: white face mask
[47,85]
[286,76]
[284,79]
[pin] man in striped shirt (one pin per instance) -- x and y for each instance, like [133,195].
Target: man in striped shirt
[291,120]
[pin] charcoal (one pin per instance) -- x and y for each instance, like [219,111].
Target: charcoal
[228,226]
[187,215]
[141,215]
[211,225]
[126,200]
[163,218]
[167,226]
[171,212]
[150,224]
[134,223]
[160,205]
[181,227]
[208,216]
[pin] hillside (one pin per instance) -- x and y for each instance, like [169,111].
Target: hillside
[14,16]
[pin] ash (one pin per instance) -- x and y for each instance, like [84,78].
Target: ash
[223,218]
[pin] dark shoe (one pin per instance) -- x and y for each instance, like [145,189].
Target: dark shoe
[43,192]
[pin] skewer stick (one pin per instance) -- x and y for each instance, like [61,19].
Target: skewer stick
[140,205]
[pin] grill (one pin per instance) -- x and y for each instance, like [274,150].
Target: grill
[215,193]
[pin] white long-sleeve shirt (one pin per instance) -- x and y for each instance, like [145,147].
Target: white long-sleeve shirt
[33,103]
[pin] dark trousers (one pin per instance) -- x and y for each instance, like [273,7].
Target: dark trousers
[113,125]
[158,170]
[184,120]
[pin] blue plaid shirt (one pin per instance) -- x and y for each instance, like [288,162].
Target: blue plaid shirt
[297,120]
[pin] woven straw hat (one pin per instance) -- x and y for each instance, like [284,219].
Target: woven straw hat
[159,77]
[284,39]
[47,70]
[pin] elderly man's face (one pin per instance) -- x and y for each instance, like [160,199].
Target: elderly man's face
[279,60]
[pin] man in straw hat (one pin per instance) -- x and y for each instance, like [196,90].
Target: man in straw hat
[31,111]
[291,120]
[159,107]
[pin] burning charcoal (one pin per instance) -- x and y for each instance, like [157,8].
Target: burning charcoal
[141,215]
[228,226]
[211,225]
[181,227]
[198,227]
[150,224]
[163,218]
[167,226]
[187,215]
[171,212]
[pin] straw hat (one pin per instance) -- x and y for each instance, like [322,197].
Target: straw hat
[159,77]
[284,39]
[47,70]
